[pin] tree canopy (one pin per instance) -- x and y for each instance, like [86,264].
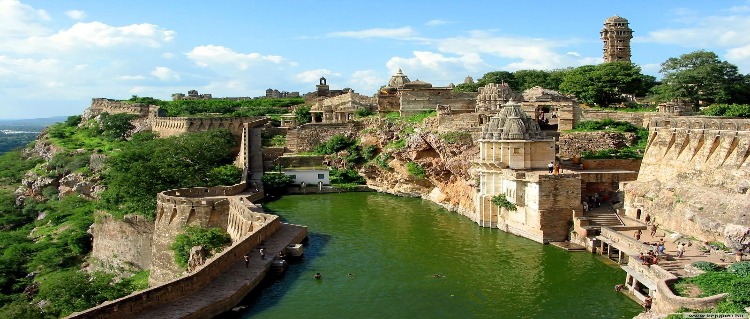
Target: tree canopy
[700,77]
[606,83]
[146,166]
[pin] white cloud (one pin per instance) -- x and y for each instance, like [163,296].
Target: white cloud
[75,14]
[131,77]
[167,55]
[432,66]
[88,36]
[436,22]
[573,53]
[310,76]
[403,32]
[20,20]
[711,31]
[165,74]
[367,80]
[213,56]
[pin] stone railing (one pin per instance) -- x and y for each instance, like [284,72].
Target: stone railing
[204,191]
[665,301]
[132,304]
[700,123]
[624,242]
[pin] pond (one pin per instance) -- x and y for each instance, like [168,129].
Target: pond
[379,256]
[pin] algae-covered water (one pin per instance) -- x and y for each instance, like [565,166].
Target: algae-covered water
[393,247]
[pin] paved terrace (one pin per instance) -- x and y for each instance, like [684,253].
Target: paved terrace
[229,288]
[670,262]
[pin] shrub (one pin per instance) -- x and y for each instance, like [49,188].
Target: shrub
[741,268]
[362,112]
[276,183]
[418,118]
[212,240]
[732,110]
[706,266]
[302,115]
[382,160]
[503,202]
[396,144]
[335,144]
[346,176]
[416,170]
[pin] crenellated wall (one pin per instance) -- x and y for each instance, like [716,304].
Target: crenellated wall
[169,126]
[101,105]
[221,207]
[695,175]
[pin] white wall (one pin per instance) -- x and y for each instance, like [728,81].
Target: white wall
[311,177]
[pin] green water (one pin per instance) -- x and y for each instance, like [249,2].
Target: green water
[393,246]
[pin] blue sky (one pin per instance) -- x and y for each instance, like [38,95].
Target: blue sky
[57,55]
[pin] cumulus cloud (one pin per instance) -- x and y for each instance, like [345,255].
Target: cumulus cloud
[165,74]
[20,20]
[213,56]
[131,77]
[711,31]
[436,22]
[403,32]
[94,36]
[314,75]
[75,14]
[367,80]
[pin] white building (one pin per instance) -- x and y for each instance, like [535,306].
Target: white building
[309,175]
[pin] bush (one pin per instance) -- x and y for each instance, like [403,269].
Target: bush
[336,143]
[731,110]
[302,115]
[416,170]
[503,202]
[346,176]
[276,183]
[706,266]
[362,112]
[382,160]
[741,268]
[212,240]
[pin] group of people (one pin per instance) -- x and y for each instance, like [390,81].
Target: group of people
[262,252]
[649,259]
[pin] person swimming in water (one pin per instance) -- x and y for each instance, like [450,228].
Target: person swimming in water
[318,276]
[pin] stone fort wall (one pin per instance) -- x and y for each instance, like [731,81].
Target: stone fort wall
[199,207]
[101,105]
[179,288]
[169,126]
[695,175]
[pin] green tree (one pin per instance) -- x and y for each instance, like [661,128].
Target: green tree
[700,77]
[302,114]
[141,169]
[116,126]
[527,79]
[603,84]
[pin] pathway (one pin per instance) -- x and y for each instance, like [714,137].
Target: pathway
[228,289]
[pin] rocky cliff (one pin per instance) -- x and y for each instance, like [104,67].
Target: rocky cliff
[447,178]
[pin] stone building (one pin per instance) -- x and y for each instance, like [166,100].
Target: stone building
[275,94]
[616,36]
[341,108]
[493,96]
[412,97]
[513,161]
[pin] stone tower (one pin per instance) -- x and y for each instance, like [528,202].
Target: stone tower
[616,36]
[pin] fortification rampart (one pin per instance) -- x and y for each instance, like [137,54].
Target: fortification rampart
[695,176]
[169,126]
[102,105]
[215,266]
[199,207]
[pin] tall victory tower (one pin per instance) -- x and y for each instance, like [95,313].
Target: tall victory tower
[616,36]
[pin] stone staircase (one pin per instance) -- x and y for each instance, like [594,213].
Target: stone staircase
[602,217]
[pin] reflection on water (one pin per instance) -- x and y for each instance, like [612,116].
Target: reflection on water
[394,246]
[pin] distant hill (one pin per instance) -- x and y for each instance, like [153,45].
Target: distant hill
[18,133]
[38,122]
